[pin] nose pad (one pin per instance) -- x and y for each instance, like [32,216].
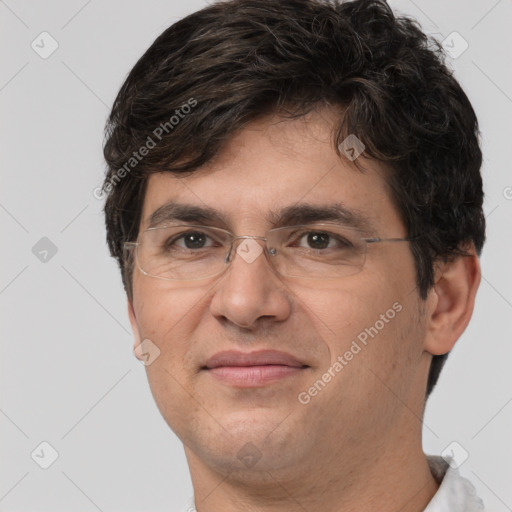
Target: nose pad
[249,248]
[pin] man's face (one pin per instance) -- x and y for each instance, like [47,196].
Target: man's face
[371,395]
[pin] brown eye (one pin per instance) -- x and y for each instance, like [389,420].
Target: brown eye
[189,240]
[194,240]
[318,240]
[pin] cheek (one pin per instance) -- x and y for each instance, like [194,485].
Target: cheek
[374,338]
[342,310]
[371,322]
[166,314]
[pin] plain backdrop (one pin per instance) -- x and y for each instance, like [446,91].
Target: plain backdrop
[68,375]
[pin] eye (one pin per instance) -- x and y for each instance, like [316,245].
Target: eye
[322,240]
[318,240]
[190,240]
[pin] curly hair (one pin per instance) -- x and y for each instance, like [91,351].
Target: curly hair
[238,60]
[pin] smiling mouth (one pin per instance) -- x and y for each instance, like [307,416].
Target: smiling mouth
[253,369]
[253,376]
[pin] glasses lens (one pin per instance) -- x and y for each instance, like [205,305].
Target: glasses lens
[321,251]
[183,252]
[186,252]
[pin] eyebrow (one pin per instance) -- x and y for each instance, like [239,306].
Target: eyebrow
[305,213]
[294,215]
[172,211]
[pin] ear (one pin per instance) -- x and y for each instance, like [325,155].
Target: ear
[135,329]
[451,301]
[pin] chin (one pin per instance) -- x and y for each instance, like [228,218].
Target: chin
[251,442]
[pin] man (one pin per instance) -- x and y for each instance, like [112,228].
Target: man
[295,201]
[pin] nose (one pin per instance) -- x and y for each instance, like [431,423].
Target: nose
[250,292]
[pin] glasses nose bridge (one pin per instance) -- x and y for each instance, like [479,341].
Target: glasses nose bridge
[248,237]
[236,240]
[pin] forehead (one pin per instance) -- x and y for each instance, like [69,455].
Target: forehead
[274,165]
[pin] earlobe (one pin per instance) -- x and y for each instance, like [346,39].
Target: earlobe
[135,330]
[451,301]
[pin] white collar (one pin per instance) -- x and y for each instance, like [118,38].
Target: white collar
[455,493]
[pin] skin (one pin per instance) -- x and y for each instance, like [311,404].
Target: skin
[357,444]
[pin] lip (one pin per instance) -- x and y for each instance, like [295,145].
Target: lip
[253,369]
[258,358]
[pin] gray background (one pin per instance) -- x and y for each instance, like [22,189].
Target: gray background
[68,374]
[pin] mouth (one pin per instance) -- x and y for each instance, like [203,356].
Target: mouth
[253,369]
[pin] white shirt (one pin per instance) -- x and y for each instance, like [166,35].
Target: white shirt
[455,493]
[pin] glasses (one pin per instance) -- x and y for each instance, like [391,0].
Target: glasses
[192,252]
